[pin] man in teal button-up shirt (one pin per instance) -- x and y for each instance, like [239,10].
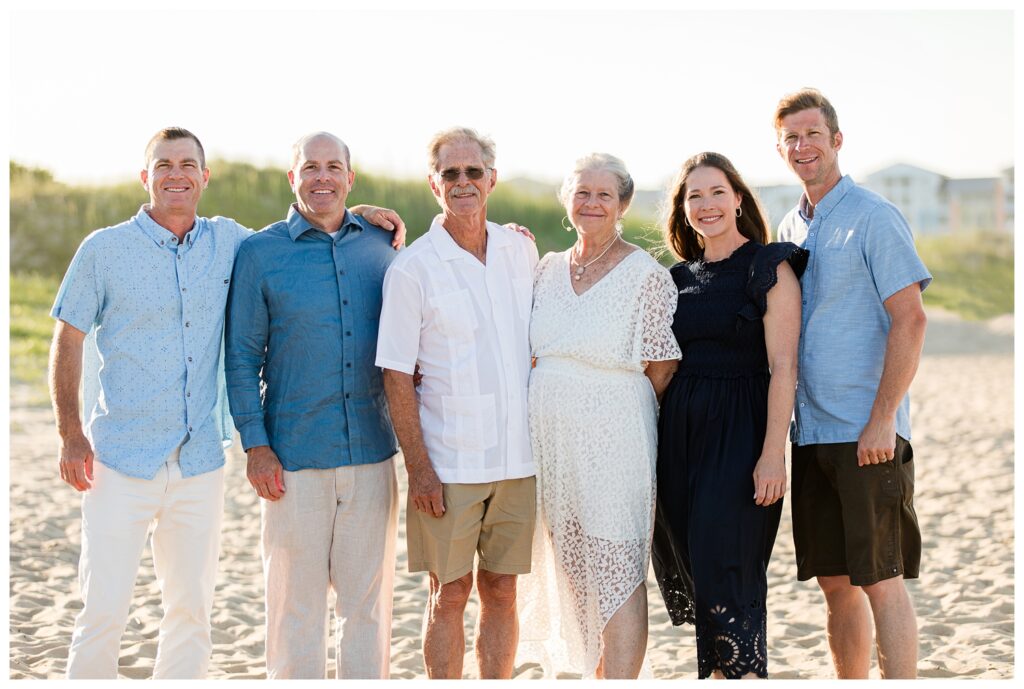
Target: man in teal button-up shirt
[309,406]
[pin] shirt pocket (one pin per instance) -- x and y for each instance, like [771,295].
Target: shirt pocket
[836,261]
[455,315]
[470,422]
[215,293]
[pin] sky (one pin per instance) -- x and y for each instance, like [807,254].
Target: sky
[653,85]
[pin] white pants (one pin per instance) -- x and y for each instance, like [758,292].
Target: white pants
[333,528]
[116,515]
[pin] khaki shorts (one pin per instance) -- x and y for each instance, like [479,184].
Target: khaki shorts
[494,519]
[853,520]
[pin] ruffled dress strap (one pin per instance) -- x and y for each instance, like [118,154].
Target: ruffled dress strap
[764,270]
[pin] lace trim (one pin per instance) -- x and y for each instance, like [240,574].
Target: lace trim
[733,641]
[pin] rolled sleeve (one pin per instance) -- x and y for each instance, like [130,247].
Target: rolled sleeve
[80,296]
[245,347]
[890,254]
[398,339]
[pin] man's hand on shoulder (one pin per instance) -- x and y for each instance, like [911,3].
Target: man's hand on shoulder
[384,218]
[877,442]
[76,458]
[521,230]
[265,473]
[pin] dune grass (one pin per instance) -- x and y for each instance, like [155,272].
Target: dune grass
[972,274]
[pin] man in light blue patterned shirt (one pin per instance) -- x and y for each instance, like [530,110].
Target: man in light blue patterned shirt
[862,331]
[144,301]
[151,291]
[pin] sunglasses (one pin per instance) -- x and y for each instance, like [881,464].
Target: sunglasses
[452,174]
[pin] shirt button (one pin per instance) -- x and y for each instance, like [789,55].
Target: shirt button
[179,258]
[187,324]
[348,333]
[189,429]
[188,394]
[345,302]
[348,364]
[183,289]
[348,395]
[341,272]
[801,404]
[190,358]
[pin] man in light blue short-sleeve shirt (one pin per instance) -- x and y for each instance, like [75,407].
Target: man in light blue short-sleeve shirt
[151,293]
[862,330]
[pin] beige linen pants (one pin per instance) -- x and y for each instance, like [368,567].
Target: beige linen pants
[332,528]
[116,515]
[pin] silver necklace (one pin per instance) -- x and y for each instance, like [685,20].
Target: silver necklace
[580,269]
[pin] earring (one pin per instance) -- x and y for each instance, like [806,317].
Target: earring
[739,211]
[565,220]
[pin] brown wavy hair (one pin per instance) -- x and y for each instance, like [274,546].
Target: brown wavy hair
[682,240]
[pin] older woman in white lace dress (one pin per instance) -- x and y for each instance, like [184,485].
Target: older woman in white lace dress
[601,333]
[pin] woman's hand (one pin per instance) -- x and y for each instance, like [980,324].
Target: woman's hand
[769,479]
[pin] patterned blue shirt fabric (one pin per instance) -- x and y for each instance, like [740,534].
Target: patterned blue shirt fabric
[154,311]
[861,253]
[300,343]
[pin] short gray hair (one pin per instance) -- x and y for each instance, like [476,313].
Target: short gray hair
[301,143]
[600,161]
[453,134]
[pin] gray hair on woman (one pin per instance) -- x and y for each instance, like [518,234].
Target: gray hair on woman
[600,161]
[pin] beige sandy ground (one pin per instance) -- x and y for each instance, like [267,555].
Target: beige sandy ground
[963,438]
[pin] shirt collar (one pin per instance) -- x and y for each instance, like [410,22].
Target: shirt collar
[828,202]
[160,234]
[449,250]
[298,225]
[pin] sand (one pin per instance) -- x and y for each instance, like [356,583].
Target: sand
[962,409]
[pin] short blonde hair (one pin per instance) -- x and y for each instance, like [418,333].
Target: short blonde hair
[453,134]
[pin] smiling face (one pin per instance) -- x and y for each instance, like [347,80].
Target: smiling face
[463,196]
[321,180]
[809,148]
[593,203]
[175,177]
[710,203]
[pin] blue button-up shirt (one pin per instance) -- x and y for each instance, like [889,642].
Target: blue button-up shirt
[861,253]
[154,311]
[300,343]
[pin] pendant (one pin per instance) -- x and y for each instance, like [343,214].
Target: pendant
[576,277]
[579,271]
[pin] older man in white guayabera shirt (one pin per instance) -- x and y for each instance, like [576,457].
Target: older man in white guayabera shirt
[457,303]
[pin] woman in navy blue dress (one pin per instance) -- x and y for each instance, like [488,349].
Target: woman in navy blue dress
[724,418]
